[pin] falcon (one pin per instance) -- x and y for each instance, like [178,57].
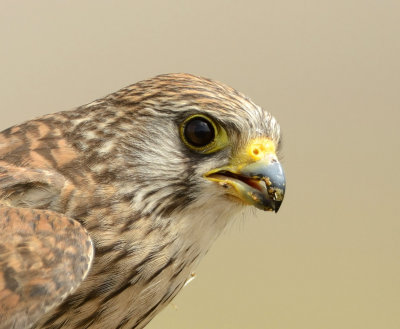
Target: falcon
[106,210]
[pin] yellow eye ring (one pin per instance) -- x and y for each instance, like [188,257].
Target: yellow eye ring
[201,134]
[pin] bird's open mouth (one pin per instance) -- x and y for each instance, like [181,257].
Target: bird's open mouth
[259,184]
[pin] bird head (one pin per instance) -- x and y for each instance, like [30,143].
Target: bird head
[186,141]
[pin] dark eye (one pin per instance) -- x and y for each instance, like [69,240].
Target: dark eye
[199,132]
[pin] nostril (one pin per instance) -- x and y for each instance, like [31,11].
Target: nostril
[256,151]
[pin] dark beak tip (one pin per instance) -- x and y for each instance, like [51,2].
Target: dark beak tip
[270,205]
[277,205]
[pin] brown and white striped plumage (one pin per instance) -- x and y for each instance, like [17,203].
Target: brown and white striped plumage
[115,174]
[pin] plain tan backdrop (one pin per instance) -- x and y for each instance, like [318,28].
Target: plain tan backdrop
[328,70]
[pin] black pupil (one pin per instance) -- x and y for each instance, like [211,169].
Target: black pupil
[199,132]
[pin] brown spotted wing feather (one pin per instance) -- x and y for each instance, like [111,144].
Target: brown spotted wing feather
[44,256]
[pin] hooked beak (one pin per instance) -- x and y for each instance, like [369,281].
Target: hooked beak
[255,176]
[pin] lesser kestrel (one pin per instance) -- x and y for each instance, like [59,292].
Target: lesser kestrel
[105,210]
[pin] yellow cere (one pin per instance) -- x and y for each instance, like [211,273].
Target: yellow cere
[260,148]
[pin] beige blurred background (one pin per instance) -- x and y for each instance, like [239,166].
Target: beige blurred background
[328,70]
